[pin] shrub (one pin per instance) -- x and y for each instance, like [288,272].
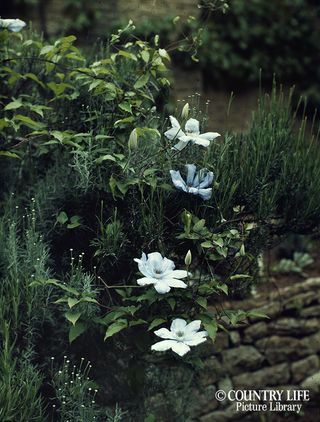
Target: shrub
[101,178]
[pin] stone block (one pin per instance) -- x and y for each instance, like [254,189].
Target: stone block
[280,349]
[269,376]
[304,368]
[242,358]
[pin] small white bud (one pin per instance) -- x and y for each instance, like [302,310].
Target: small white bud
[188,258]
[185,111]
[133,140]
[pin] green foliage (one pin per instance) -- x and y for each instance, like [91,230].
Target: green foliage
[95,163]
[296,265]
[74,392]
[20,384]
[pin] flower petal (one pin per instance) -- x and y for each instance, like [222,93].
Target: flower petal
[206,178]
[174,122]
[155,258]
[191,169]
[178,274]
[167,266]
[194,336]
[162,346]
[177,180]
[210,136]
[180,348]
[203,142]
[162,287]
[165,333]
[196,341]
[192,126]
[173,133]
[173,282]
[178,324]
[205,194]
[193,326]
[144,281]
[180,145]
[143,266]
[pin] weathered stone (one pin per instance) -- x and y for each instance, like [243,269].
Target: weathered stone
[221,342]
[264,377]
[228,414]
[294,326]
[311,311]
[212,371]
[206,349]
[255,331]
[203,400]
[279,349]
[304,368]
[313,342]
[312,382]
[299,301]
[235,338]
[242,358]
[225,385]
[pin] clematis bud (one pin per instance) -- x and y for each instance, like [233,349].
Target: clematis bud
[188,258]
[133,140]
[185,111]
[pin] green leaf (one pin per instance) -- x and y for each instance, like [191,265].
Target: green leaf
[202,301]
[29,122]
[223,287]
[72,302]
[13,105]
[240,276]
[76,330]
[155,323]
[9,154]
[172,302]
[142,81]
[211,328]
[116,327]
[257,314]
[126,107]
[74,222]
[206,244]
[72,316]
[62,218]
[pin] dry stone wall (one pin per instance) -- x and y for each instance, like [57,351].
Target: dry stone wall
[281,353]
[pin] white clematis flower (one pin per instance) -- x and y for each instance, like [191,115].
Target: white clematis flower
[191,134]
[160,272]
[180,337]
[14,25]
[197,182]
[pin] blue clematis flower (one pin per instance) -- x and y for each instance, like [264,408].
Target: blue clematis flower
[191,134]
[13,25]
[197,182]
